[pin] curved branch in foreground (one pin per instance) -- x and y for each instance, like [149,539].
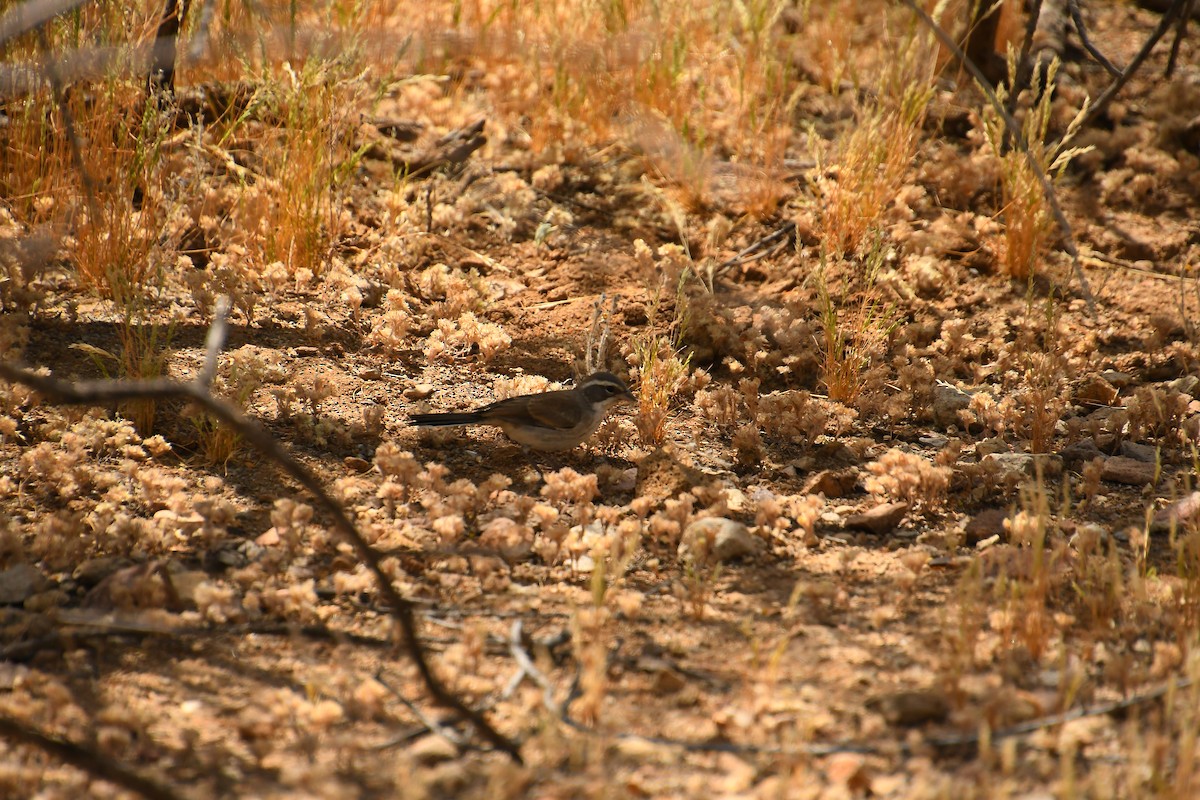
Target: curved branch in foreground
[102,391]
[90,761]
[1014,130]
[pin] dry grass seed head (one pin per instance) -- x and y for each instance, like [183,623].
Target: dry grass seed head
[1027,217]
[874,155]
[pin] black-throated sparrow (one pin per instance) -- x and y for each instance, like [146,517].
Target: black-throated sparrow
[548,421]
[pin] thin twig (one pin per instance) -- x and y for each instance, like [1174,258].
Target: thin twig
[102,391]
[214,343]
[1077,19]
[1108,94]
[786,229]
[528,668]
[590,359]
[1180,34]
[429,722]
[90,761]
[1015,132]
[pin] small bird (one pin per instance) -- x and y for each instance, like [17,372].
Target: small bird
[549,421]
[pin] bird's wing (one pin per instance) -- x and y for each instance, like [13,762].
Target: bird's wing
[546,410]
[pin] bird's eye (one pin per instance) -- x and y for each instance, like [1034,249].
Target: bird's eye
[610,389]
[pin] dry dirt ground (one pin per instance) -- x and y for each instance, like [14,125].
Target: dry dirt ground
[1017,455]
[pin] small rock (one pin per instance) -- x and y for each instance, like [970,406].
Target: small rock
[371,374]
[987,523]
[934,441]
[912,706]
[306,351]
[419,391]
[19,583]
[626,480]
[835,455]
[947,402]
[832,483]
[1026,464]
[433,750]
[1096,391]
[584,564]
[717,539]
[880,519]
[1012,462]
[991,445]
[1120,469]
[1139,452]
[229,557]
[668,681]
[1080,452]
[448,778]
[356,464]
[1173,367]
[185,582]
[1119,380]
[736,773]
[848,770]
[1188,384]
[1181,513]
[94,570]
[804,464]
[735,499]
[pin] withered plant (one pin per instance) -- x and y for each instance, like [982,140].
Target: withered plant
[1028,220]
[855,324]
[662,365]
[873,157]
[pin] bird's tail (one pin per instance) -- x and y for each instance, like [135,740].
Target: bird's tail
[442,420]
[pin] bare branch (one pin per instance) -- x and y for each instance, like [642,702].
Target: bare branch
[776,239]
[447,733]
[1180,34]
[1077,19]
[102,391]
[528,668]
[90,761]
[1164,25]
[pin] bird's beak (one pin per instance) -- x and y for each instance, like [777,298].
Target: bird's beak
[628,395]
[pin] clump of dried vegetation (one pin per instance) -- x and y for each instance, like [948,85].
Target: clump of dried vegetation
[841,309]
